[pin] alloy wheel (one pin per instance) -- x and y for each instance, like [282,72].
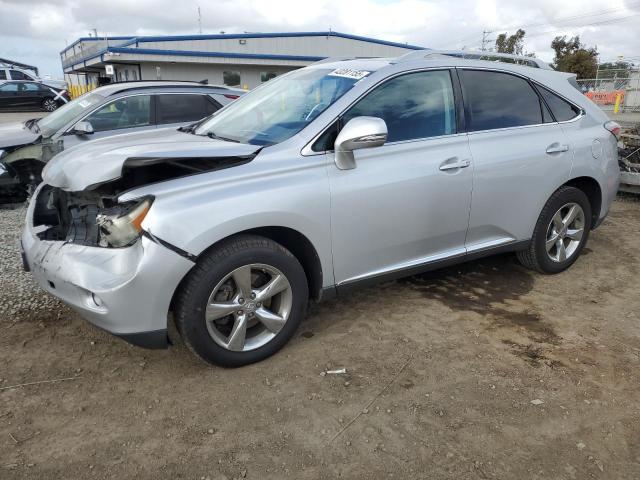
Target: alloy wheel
[248,307]
[565,232]
[50,105]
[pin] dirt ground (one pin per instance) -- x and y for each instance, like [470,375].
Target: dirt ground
[441,369]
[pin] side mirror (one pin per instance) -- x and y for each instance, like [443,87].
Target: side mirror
[82,128]
[359,132]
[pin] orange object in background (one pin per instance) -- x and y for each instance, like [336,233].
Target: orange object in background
[605,98]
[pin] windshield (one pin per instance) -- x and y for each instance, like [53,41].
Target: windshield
[282,107]
[68,112]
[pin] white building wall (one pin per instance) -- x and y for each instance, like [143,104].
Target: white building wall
[249,74]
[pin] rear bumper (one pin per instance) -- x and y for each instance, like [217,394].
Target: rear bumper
[125,291]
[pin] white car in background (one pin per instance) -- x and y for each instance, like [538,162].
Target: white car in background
[14,73]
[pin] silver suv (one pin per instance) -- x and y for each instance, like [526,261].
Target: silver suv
[330,177]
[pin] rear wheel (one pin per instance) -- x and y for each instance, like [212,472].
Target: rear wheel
[561,232]
[49,104]
[242,301]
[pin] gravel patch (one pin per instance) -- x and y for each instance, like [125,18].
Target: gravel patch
[20,296]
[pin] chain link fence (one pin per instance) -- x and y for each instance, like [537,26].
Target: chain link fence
[618,92]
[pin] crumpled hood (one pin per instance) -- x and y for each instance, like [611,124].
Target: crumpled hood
[15,135]
[102,160]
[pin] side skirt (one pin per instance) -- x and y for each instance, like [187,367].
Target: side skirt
[347,287]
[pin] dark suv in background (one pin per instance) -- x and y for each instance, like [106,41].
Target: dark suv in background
[109,110]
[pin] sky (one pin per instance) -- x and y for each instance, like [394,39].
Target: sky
[34,31]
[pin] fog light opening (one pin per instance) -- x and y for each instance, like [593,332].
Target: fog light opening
[97,300]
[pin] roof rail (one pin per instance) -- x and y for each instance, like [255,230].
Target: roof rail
[340,59]
[471,55]
[10,63]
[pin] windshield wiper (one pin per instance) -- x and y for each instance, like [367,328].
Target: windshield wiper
[218,137]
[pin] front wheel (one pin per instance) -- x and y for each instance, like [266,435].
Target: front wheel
[561,232]
[242,301]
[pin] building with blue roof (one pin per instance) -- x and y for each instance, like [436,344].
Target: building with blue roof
[241,60]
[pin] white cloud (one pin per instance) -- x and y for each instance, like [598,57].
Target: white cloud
[36,31]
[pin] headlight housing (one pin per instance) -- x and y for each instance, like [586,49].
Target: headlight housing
[121,226]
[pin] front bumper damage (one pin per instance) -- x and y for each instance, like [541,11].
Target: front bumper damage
[126,291]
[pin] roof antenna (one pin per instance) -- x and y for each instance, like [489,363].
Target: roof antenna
[199,21]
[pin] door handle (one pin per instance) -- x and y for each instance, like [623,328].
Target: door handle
[449,165]
[557,148]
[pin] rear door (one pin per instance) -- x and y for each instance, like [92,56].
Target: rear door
[31,93]
[520,156]
[176,109]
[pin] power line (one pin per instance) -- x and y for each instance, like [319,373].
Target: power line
[593,24]
[562,20]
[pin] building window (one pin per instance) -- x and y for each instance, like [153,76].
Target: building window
[232,79]
[266,76]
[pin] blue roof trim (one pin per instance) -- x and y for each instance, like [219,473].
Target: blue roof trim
[89,39]
[227,36]
[193,53]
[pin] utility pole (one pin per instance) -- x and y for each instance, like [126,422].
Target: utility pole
[199,21]
[485,40]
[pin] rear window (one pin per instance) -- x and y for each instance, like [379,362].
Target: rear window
[500,100]
[561,109]
[178,108]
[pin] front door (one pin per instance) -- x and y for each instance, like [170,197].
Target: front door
[123,115]
[407,202]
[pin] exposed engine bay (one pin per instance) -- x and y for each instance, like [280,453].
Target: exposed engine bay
[82,218]
[94,217]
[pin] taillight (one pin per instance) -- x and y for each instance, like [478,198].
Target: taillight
[614,128]
[232,97]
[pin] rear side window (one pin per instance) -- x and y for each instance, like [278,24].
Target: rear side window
[3,74]
[561,109]
[499,100]
[415,105]
[183,108]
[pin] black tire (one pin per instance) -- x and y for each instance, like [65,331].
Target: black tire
[535,256]
[214,265]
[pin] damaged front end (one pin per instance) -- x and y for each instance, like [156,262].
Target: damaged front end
[89,251]
[21,168]
[87,246]
[88,218]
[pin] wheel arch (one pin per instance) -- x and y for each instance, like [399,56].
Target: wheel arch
[294,241]
[591,188]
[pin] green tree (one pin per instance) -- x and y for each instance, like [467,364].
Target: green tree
[614,69]
[574,57]
[513,44]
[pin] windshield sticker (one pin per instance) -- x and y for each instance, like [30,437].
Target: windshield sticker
[349,73]
[84,103]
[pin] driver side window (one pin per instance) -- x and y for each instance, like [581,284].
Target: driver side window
[128,112]
[414,106]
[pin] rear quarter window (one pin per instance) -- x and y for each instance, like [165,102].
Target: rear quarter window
[561,109]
